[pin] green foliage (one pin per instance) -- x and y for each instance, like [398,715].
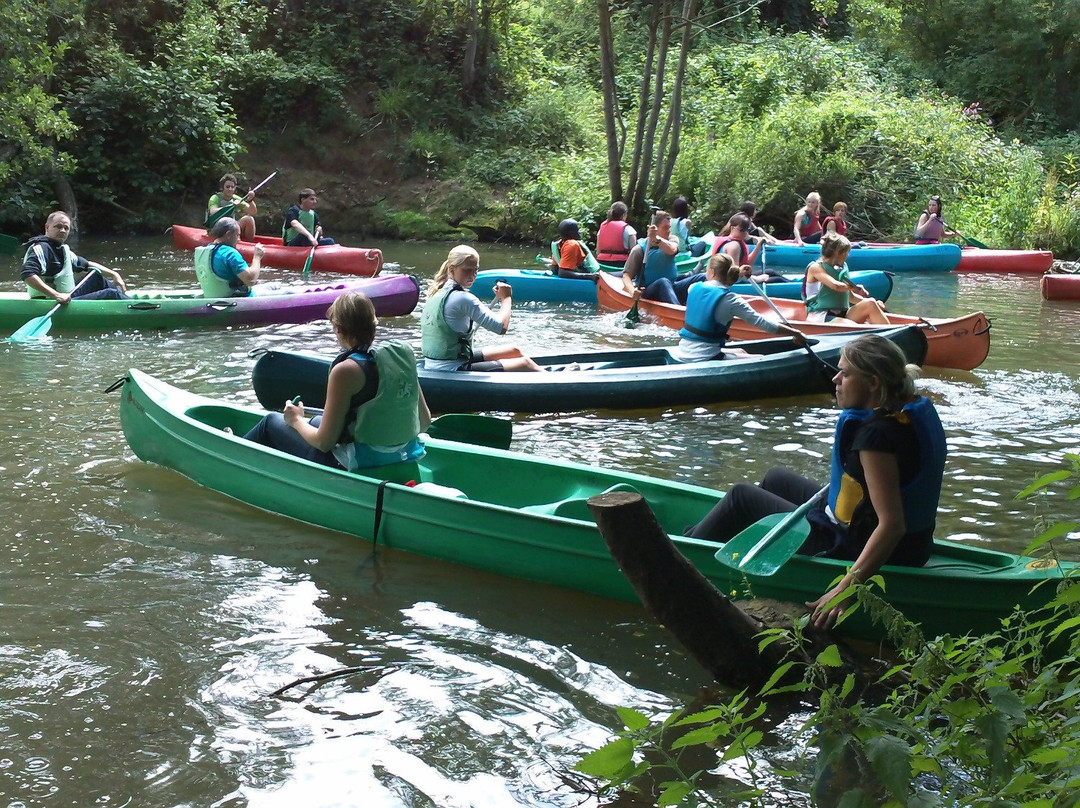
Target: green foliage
[33,128]
[964,721]
[145,133]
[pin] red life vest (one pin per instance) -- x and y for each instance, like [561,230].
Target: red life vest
[609,242]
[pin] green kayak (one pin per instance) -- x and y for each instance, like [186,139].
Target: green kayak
[525,517]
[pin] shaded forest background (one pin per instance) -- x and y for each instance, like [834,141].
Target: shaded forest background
[422,119]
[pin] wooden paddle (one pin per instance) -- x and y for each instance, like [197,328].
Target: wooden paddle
[39,326]
[765,546]
[9,245]
[831,368]
[227,210]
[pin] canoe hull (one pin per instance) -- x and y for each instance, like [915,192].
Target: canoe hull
[525,517]
[960,342]
[888,258]
[393,296]
[331,258]
[1060,286]
[540,286]
[642,378]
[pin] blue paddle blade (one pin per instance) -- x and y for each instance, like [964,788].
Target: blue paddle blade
[34,329]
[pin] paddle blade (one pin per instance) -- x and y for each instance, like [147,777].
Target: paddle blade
[211,220]
[788,541]
[9,245]
[34,329]
[974,242]
[632,317]
[307,263]
[481,430]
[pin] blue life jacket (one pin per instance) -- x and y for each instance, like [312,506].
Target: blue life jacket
[919,496]
[700,323]
[658,264]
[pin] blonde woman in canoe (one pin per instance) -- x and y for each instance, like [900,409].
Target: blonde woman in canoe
[806,227]
[888,460]
[830,296]
[452,314]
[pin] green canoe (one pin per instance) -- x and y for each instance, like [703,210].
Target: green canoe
[525,517]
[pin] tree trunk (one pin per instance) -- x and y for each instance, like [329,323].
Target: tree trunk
[668,152]
[720,635]
[635,194]
[648,147]
[468,67]
[611,101]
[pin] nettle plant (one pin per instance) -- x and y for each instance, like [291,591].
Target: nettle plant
[959,721]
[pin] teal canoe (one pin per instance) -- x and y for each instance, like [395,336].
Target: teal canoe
[525,517]
[788,256]
[543,286]
[635,378]
[392,295]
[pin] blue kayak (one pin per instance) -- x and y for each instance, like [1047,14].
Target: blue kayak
[541,286]
[897,258]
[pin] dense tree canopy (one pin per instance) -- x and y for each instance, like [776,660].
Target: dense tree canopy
[522,113]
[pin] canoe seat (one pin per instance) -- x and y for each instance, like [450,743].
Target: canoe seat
[575,507]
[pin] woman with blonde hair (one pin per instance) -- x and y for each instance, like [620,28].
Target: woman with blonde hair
[452,314]
[830,295]
[806,227]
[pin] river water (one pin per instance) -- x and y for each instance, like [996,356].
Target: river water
[145,621]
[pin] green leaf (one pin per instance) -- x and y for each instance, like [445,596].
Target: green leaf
[632,719]
[609,761]
[830,657]
[701,735]
[1052,755]
[890,758]
[778,674]
[1055,531]
[674,793]
[1042,482]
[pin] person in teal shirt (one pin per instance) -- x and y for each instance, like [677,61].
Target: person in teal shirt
[221,270]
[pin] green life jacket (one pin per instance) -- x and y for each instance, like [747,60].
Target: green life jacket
[218,201]
[306,218]
[213,285]
[437,339]
[826,299]
[63,281]
[385,427]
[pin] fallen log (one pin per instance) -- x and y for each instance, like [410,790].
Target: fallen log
[720,635]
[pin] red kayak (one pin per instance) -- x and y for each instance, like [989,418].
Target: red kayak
[1029,262]
[981,259]
[331,258]
[1061,286]
[960,342]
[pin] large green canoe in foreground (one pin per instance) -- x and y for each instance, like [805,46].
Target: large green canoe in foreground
[525,517]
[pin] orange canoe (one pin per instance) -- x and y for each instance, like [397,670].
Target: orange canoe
[331,258]
[961,342]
